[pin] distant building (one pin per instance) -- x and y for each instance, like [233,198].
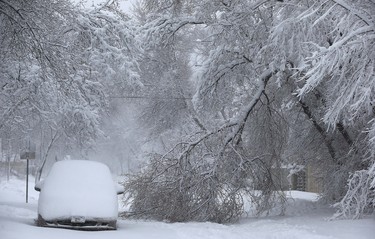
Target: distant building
[306,180]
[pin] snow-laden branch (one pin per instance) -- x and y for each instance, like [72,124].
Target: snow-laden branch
[8,113]
[164,29]
[359,196]
[237,124]
[368,21]
[353,34]
[222,71]
[241,120]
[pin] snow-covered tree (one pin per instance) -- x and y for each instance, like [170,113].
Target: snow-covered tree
[59,63]
[212,167]
[330,44]
[263,65]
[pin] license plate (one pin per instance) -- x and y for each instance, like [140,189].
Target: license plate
[78,219]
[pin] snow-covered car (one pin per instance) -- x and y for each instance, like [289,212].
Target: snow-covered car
[78,194]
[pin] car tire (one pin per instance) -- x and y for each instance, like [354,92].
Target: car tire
[40,222]
[113,225]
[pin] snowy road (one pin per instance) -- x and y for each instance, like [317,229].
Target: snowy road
[17,222]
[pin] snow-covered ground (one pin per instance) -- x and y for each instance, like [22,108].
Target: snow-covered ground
[304,219]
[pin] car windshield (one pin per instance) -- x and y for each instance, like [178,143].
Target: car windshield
[79,176]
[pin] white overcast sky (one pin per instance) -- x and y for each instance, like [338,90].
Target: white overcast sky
[125,5]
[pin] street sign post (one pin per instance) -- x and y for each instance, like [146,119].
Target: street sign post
[27,156]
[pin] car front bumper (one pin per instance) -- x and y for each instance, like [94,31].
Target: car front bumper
[78,224]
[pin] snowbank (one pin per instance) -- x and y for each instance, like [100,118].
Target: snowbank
[17,222]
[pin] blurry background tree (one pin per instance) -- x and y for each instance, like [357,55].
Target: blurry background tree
[59,63]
